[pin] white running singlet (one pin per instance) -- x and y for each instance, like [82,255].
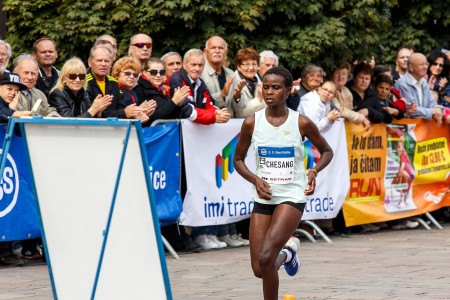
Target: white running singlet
[279,158]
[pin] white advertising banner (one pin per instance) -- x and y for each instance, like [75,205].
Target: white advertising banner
[217,194]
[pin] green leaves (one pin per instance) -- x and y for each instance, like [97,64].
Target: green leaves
[299,31]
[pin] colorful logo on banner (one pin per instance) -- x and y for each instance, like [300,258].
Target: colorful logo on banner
[9,187]
[224,162]
[311,155]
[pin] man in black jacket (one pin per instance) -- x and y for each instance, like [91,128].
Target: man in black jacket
[99,82]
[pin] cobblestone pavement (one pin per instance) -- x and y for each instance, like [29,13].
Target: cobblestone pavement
[404,264]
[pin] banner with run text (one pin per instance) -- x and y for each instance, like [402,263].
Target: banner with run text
[397,170]
[217,194]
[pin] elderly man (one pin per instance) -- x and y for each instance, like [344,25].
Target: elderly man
[28,70]
[267,60]
[108,38]
[218,78]
[141,48]
[189,75]
[44,52]
[100,83]
[172,62]
[5,55]
[414,89]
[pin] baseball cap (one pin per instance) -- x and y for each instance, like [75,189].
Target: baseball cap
[12,78]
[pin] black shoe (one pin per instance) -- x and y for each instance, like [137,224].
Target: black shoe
[12,260]
[189,246]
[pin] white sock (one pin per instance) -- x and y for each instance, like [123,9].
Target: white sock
[288,254]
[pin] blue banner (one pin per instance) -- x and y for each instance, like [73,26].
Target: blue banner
[18,211]
[163,153]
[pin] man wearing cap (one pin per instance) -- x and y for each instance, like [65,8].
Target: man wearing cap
[9,88]
[141,48]
[28,69]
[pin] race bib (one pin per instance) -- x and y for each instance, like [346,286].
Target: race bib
[276,164]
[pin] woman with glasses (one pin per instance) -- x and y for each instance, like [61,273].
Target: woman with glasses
[311,78]
[438,72]
[246,86]
[69,96]
[151,87]
[126,71]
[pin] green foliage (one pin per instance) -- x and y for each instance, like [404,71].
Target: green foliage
[300,31]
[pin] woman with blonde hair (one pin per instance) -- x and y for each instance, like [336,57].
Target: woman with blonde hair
[69,95]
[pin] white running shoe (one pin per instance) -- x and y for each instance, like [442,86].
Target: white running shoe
[240,239]
[204,242]
[214,239]
[230,241]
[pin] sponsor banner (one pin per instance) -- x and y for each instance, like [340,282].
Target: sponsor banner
[333,181]
[162,143]
[397,170]
[217,194]
[18,211]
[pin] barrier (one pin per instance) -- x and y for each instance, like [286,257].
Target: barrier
[215,189]
[95,202]
[397,170]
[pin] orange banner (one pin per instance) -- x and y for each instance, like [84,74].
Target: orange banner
[396,170]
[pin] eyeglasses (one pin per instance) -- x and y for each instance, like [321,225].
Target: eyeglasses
[438,64]
[141,45]
[155,72]
[178,63]
[75,76]
[3,54]
[129,73]
[330,92]
[250,65]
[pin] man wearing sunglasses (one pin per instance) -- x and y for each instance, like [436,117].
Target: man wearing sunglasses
[205,112]
[28,70]
[140,48]
[217,77]
[101,83]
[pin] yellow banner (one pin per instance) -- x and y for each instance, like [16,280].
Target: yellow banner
[396,170]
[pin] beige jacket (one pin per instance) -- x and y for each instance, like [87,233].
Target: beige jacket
[44,109]
[344,102]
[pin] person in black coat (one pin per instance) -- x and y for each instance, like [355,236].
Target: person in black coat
[365,99]
[69,96]
[150,86]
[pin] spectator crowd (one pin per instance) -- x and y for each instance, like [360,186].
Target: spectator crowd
[200,86]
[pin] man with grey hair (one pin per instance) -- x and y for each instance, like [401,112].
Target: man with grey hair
[267,60]
[190,75]
[108,38]
[28,70]
[217,77]
[5,55]
[141,48]
[172,62]
[415,90]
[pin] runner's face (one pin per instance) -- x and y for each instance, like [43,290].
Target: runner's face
[274,90]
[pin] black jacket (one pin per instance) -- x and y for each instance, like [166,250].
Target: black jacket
[371,102]
[117,106]
[68,104]
[165,107]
